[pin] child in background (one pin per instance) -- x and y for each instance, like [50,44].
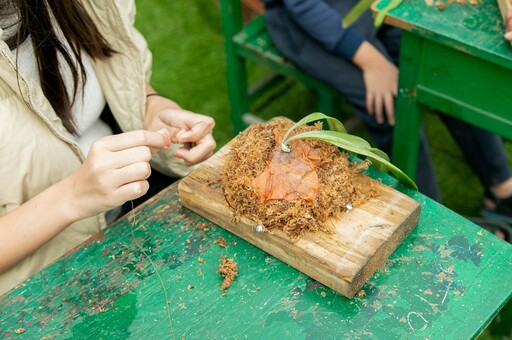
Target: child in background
[361,62]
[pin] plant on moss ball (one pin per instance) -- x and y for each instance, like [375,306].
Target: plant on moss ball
[337,135]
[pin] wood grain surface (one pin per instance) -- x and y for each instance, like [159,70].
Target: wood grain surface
[362,241]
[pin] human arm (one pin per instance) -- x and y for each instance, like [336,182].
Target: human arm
[195,130]
[381,82]
[114,172]
[323,23]
[191,129]
[380,76]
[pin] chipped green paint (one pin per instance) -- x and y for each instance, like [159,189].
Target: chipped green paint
[440,281]
[477,30]
[454,61]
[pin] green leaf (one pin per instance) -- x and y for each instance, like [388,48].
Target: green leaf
[379,19]
[360,147]
[380,153]
[334,136]
[333,123]
[356,12]
[362,6]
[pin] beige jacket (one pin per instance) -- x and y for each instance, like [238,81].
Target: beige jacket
[36,150]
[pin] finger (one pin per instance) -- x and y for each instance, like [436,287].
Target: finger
[183,119]
[167,137]
[199,152]
[132,139]
[369,103]
[194,155]
[188,136]
[189,159]
[129,156]
[196,132]
[389,103]
[378,110]
[131,191]
[134,172]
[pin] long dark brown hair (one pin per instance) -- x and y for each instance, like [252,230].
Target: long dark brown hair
[82,35]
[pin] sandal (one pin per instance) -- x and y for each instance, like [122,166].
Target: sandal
[503,210]
[496,227]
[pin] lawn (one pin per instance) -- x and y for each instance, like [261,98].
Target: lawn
[189,67]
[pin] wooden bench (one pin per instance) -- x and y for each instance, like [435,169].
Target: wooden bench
[251,42]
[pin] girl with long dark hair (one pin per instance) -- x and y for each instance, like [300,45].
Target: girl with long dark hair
[80,127]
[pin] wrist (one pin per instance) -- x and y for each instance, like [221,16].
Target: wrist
[155,103]
[71,205]
[368,57]
[349,44]
[155,94]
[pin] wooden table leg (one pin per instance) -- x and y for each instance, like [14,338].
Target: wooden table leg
[409,112]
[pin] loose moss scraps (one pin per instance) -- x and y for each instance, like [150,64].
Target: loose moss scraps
[229,270]
[295,192]
[221,242]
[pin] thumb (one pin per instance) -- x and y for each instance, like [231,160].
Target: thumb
[167,140]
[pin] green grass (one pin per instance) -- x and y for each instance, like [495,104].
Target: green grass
[189,67]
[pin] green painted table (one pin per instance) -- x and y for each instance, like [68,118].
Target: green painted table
[449,278]
[453,60]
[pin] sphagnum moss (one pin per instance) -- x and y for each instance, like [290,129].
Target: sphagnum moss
[298,208]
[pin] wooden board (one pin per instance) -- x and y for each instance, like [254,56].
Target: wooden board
[363,238]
